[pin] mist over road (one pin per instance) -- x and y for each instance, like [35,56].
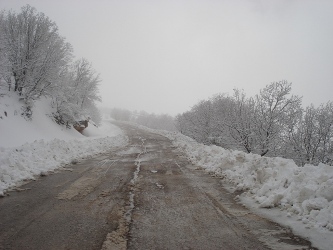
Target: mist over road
[142,196]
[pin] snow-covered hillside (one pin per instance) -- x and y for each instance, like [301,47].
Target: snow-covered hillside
[31,148]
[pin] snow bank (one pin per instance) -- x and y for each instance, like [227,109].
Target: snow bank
[15,130]
[106,128]
[31,159]
[303,192]
[31,148]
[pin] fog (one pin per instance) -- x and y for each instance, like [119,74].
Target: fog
[164,56]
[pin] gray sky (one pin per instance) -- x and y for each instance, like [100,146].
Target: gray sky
[164,56]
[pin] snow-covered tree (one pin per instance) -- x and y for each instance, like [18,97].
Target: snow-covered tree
[311,139]
[155,121]
[33,53]
[273,123]
[85,83]
[35,62]
[197,123]
[234,117]
[67,111]
[121,114]
[274,107]
[77,93]
[5,76]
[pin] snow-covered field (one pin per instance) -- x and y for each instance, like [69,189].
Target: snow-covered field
[32,148]
[298,197]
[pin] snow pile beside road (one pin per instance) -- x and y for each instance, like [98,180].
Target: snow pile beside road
[15,130]
[303,192]
[31,159]
[30,148]
[106,128]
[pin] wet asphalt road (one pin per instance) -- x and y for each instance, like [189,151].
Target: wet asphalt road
[142,196]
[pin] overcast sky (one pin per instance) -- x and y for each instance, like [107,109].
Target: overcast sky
[164,56]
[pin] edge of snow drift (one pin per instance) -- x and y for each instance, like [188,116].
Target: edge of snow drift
[31,159]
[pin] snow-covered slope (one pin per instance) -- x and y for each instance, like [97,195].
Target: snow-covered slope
[15,130]
[299,197]
[30,148]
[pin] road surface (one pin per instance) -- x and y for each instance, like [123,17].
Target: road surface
[142,196]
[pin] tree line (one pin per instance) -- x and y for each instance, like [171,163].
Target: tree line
[272,123]
[35,62]
[150,120]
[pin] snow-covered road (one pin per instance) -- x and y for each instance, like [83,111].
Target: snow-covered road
[145,195]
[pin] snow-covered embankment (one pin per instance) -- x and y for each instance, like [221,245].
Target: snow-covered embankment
[34,158]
